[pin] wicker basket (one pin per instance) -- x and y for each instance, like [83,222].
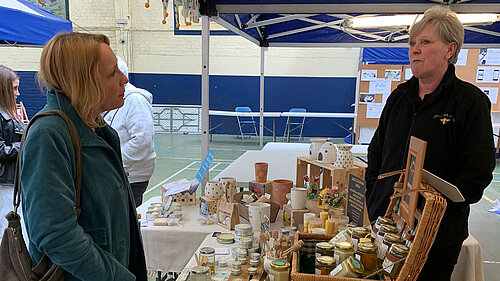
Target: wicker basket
[433,212]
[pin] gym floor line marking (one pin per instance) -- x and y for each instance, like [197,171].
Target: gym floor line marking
[213,167]
[492,262]
[487,199]
[178,172]
[175,155]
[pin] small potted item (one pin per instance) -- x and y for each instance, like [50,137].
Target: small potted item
[327,153]
[344,157]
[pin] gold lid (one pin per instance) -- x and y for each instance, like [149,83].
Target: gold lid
[393,238]
[365,240]
[384,220]
[367,247]
[281,265]
[399,250]
[325,260]
[355,265]
[360,231]
[324,246]
[344,245]
[252,270]
[388,228]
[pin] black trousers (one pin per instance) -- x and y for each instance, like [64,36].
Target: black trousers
[138,189]
[440,263]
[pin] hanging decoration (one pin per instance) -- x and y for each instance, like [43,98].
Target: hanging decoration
[189,11]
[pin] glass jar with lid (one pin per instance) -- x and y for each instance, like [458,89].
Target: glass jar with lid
[389,239]
[351,267]
[324,249]
[280,270]
[342,251]
[307,257]
[358,232]
[385,228]
[324,265]
[383,220]
[367,255]
[392,263]
[207,257]
[200,273]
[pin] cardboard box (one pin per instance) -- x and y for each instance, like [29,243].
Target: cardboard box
[243,209]
[296,217]
[208,206]
[261,187]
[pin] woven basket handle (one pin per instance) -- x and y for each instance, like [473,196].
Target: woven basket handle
[77,147]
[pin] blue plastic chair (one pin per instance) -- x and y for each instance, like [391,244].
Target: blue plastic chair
[248,122]
[295,124]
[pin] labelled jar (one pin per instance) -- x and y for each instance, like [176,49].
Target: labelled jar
[280,270]
[207,257]
[389,239]
[385,228]
[390,264]
[342,251]
[367,255]
[307,257]
[324,265]
[358,232]
[351,267]
[383,220]
[200,273]
[324,249]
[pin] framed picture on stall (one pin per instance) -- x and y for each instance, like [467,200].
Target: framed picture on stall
[413,176]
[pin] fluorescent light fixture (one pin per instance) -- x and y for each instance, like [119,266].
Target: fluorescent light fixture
[408,20]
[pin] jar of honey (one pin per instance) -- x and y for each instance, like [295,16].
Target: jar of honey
[389,239]
[367,255]
[358,232]
[351,267]
[395,253]
[324,249]
[324,265]
[342,251]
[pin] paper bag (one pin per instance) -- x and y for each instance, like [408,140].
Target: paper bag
[227,215]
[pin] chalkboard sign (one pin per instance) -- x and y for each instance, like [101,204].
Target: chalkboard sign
[356,200]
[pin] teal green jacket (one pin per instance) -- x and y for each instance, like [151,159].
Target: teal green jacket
[104,242]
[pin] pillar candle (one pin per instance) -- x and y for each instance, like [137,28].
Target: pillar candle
[324,217]
[329,227]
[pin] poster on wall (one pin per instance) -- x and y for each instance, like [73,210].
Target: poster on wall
[488,74]
[393,74]
[368,75]
[366,97]
[488,56]
[492,93]
[380,86]
[373,110]
[462,57]
[59,8]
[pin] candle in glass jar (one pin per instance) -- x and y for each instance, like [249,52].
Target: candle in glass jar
[329,227]
[324,217]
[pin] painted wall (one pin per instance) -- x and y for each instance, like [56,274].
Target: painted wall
[168,65]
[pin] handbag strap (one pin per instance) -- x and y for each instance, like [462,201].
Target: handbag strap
[77,147]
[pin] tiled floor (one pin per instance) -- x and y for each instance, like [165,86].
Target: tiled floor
[178,156]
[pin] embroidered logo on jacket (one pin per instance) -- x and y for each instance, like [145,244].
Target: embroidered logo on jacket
[444,118]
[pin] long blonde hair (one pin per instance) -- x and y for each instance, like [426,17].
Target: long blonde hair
[70,64]
[7,98]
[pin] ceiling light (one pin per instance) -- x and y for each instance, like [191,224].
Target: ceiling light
[408,20]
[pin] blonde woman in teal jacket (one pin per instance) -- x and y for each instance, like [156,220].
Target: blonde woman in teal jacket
[103,243]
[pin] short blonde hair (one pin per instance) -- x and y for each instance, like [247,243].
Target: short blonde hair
[448,27]
[70,64]
[7,98]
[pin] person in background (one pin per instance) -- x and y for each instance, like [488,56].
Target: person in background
[11,131]
[453,116]
[134,124]
[82,79]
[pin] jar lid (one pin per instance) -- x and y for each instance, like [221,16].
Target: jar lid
[225,238]
[252,270]
[324,246]
[344,245]
[355,265]
[399,250]
[237,279]
[360,231]
[384,220]
[280,265]
[388,228]
[243,226]
[365,240]
[207,251]
[393,238]
[236,263]
[325,260]
[367,247]
[200,270]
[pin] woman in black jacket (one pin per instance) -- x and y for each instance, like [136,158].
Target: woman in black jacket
[11,130]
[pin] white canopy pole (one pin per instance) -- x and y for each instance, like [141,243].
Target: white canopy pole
[205,44]
[261,118]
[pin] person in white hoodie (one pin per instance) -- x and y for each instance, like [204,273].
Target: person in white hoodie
[134,124]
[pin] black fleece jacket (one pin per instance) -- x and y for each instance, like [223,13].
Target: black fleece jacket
[455,121]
